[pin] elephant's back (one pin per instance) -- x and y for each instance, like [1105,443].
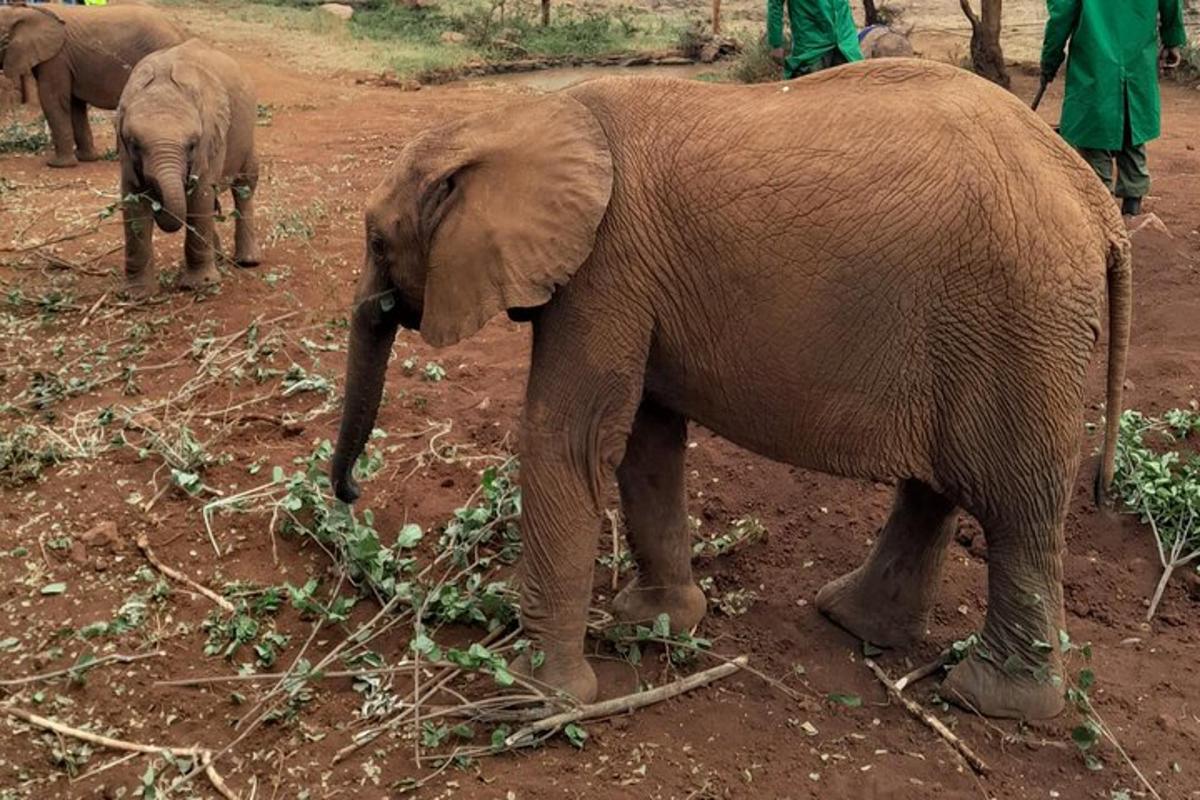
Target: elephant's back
[923,151]
[110,42]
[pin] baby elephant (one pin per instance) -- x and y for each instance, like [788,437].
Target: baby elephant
[185,131]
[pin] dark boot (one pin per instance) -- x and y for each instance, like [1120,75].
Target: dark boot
[1131,206]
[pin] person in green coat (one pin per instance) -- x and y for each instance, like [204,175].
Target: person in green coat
[1111,108]
[823,35]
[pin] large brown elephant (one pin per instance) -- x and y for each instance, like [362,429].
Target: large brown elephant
[80,56]
[185,132]
[911,294]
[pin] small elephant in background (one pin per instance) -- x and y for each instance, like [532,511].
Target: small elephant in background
[79,57]
[185,132]
[880,41]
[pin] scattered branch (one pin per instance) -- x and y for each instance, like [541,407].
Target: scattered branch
[116,658]
[933,723]
[144,545]
[202,756]
[626,703]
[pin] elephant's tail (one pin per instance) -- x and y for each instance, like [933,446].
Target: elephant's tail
[1120,310]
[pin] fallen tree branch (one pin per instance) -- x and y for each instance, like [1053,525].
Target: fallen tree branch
[629,702]
[115,658]
[144,545]
[202,756]
[933,723]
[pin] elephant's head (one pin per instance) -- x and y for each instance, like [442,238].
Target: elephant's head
[485,215]
[171,125]
[29,35]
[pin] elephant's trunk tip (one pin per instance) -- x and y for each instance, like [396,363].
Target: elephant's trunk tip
[345,488]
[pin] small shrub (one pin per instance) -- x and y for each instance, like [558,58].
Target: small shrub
[755,65]
[21,137]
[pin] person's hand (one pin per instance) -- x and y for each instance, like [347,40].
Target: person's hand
[1170,58]
[777,55]
[1048,75]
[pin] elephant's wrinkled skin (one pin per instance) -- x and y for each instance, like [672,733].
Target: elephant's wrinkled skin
[185,132]
[909,294]
[79,56]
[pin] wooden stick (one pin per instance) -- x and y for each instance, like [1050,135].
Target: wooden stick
[629,702]
[144,545]
[921,673]
[716,17]
[615,522]
[116,658]
[934,724]
[203,757]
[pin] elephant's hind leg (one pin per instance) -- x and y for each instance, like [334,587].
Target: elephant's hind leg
[651,480]
[1013,670]
[85,147]
[246,249]
[887,600]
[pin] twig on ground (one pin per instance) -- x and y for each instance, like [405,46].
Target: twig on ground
[115,658]
[614,521]
[144,545]
[921,673]
[629,702]
[202,756]
[933,723]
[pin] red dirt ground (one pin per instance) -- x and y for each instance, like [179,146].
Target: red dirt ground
[327,145]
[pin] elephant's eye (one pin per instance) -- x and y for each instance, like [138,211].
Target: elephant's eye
[378,247]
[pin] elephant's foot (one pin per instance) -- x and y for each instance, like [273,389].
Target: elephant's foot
[250,257]
[978,684]
[686,605]
[887,616]
[560,671]
[140,287]
[62,162]
[200,278]
[87,155]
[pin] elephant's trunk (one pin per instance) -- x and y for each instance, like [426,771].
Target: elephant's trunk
[371,336]
[166,174]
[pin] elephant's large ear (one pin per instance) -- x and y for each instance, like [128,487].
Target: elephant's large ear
[518,214]
[37,36]
[211,99]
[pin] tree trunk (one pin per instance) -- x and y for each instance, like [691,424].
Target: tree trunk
[987,57]
[545,13]
[870,13]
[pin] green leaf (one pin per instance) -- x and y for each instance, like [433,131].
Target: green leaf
[409,536]
[849,700]
[499,735]
[1085,735]
[54,588]
[575,734]
[1087,679]
[662,626]
[870,651]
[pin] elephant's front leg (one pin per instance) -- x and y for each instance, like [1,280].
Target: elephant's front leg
[578,414]
[199,260]
[139,247]
[81,127]
[246,252]
[54,92]
[651,479]
[887,600]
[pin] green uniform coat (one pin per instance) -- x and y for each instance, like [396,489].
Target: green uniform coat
[818,27]
[1113,66]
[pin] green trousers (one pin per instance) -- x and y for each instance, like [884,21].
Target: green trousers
[1133,178]
[830,59]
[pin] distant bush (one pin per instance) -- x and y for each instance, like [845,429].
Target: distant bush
[22,137]
[755,65]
